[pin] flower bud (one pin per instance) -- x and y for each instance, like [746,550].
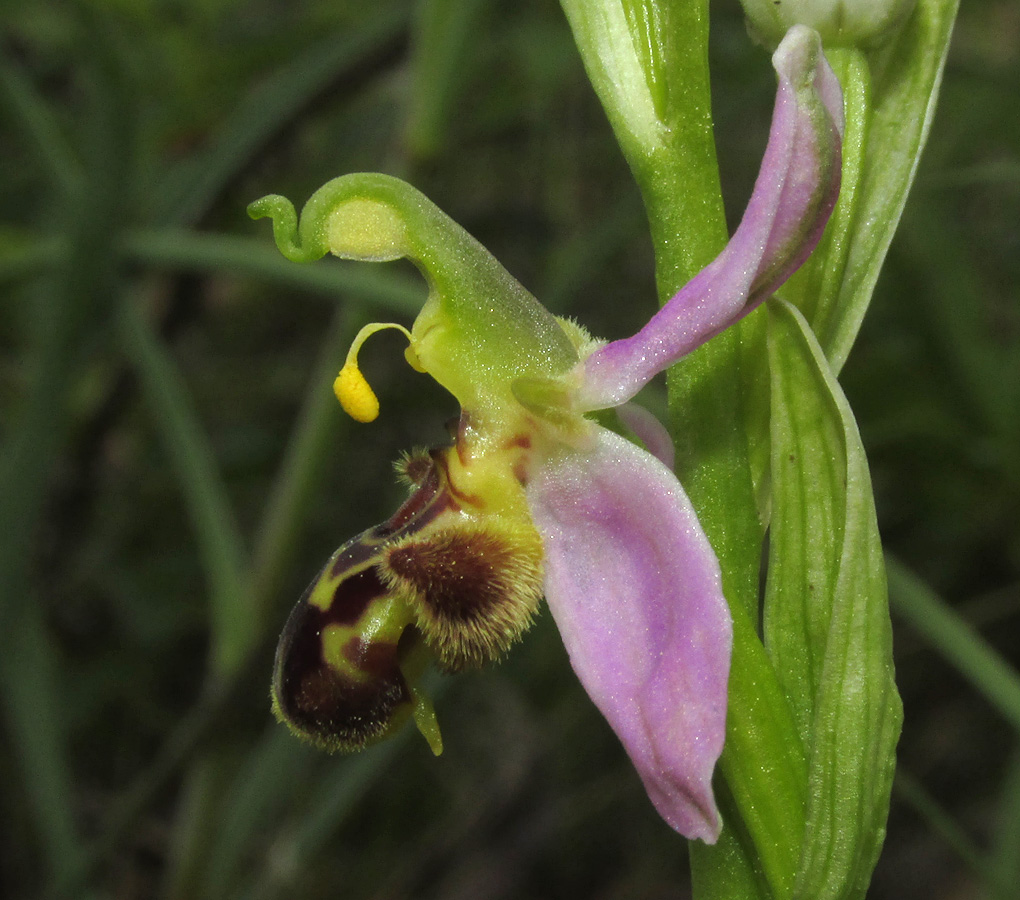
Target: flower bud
[839,22]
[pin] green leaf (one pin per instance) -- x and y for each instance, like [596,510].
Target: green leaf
[890,100]
[826,616]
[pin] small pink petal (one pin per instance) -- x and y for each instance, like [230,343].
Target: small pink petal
[792,199]
[650,431]
[634,587]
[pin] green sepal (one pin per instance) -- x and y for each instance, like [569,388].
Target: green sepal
[479,329]
[826,614]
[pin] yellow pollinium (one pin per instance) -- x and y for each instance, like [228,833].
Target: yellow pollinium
[352,390]
[355,394]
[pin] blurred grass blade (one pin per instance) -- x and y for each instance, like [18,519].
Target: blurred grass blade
[23,255]
[35,729]
[196,822]
[261,790]
[258,259]
[43,138]
[445,35]
[910,790]
[339,789]
[1005,861]
[312,444]
[952,637]
[193,184]
[216,532]
[826,616]
[953,309]
[66,310]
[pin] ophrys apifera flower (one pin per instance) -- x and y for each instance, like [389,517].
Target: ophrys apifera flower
[533,497]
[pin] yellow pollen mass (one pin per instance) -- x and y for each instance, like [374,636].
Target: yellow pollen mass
[352,390]
[355,394]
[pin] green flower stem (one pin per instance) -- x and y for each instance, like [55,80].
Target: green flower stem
[649,64]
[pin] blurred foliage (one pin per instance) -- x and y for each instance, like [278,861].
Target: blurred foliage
[174,467]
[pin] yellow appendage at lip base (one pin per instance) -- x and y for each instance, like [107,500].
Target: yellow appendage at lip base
[352,390]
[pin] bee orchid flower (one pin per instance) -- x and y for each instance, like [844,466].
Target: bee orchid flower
[533,497]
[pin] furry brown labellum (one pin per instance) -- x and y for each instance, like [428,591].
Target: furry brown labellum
[436,581]
[474,585]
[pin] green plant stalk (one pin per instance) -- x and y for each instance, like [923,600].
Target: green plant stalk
[766,773]
[648,63]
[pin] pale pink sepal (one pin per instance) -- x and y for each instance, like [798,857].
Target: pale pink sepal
[795,192]
[634,587]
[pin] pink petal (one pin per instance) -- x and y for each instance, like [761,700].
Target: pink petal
[650,431]
[795,192]
[635,590]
